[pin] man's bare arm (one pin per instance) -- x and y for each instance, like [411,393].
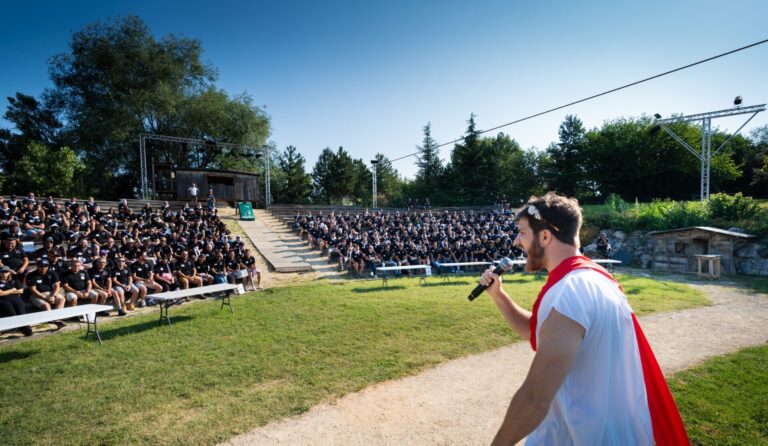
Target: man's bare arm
[558,343]
[516,316]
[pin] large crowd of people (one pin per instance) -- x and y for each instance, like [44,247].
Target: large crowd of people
[360,243]
[55,254]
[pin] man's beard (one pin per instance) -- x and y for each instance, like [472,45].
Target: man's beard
[534,257]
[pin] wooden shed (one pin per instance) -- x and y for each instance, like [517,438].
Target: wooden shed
[675,249]
[227,185]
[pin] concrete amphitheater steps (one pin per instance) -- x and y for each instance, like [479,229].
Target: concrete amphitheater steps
[276,246]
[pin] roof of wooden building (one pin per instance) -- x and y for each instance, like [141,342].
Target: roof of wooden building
[707,229]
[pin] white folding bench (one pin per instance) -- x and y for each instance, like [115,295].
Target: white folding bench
[169,298]
[422,279]
[609,264]
[446,274]
[89,312]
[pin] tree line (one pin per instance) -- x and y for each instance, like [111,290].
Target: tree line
[117,80]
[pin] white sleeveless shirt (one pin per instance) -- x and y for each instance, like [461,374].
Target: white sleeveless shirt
[603,399]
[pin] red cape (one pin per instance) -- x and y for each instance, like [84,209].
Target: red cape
[668,428]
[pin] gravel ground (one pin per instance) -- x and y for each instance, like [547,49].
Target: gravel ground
[462,402]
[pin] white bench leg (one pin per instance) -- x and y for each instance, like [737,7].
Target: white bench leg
[95,328]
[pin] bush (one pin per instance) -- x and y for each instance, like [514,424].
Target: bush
[722,210]
[616,203]
[732,207]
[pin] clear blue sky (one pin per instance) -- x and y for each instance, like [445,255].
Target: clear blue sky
[369,75]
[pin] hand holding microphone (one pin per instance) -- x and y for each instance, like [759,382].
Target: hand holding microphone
[505,265]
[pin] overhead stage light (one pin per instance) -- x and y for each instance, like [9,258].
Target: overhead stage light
[737,101]
[657,116]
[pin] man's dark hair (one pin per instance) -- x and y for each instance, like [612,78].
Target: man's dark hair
[556,213]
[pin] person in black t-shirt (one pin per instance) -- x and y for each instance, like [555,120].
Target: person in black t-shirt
[11,303]
[372,259]
[218,268]
[122,283]
[44,286]
[144,278]
[43,253]
[343,250]
[203,268]
[164,274]
[356,263]
[233,267]
[12,256]
[101,281]
[78,287]
[249,262]
[186,273]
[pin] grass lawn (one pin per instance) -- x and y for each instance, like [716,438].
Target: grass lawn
[725,400]
[214,374]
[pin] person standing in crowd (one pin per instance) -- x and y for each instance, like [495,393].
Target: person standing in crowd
[211,201]
[594,378]
[193,191]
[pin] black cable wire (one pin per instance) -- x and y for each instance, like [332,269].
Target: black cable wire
[597,95]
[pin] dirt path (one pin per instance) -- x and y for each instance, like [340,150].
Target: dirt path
[463,401]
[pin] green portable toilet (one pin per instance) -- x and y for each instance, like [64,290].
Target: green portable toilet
[246,210]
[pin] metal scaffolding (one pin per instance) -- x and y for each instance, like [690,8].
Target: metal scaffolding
[143,137]
[705,154]
[374,200]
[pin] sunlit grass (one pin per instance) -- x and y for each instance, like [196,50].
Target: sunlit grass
[214,374]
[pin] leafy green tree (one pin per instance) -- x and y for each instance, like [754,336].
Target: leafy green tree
[527,179]
[322,177]
[44,170]
[296,184]
[759,162]
[117,80]
[362,182]
[333,176]
[34,122]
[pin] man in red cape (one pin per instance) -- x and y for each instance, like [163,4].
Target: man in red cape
[594,379]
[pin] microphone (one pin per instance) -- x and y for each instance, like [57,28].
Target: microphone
[505,264]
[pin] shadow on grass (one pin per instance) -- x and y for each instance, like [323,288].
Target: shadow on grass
[447,283]
[14,356]
[141,327]
[378,289]
[511,280]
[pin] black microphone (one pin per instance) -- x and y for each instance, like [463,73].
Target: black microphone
[504,265]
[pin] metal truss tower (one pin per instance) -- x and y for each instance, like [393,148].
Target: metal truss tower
[705,154]
[143,137]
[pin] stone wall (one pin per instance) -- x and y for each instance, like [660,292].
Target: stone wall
[637,249]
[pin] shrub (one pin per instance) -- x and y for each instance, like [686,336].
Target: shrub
[732,207]
[616,203]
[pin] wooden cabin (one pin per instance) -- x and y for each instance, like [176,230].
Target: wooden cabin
[675,249]
[227,185]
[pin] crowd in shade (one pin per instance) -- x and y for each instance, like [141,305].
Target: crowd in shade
[56,254]
[360,243]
